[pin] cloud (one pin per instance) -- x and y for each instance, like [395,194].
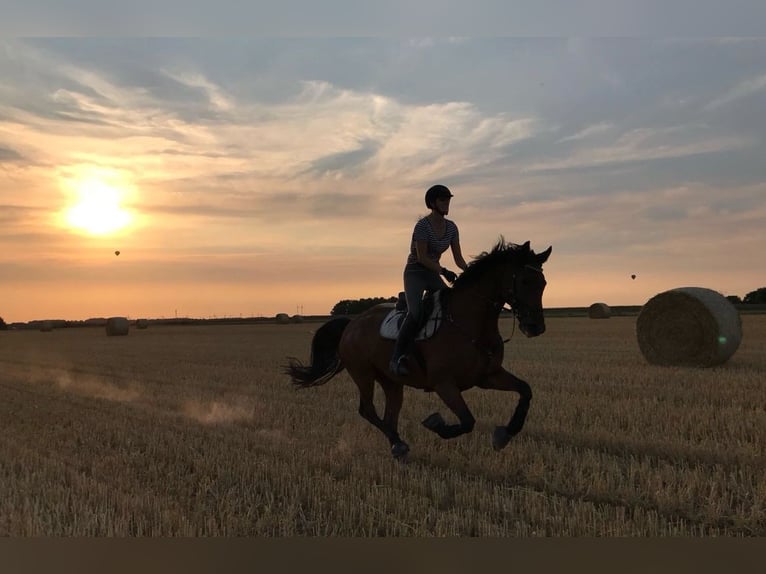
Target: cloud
[266,207]
[8,155]
[338,139]
[216,97]
[646,144]
[18,214]
[351,161]
[741,90]
[422,42]
[585,133]
[696,222]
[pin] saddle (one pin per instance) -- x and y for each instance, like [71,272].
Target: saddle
[433,314]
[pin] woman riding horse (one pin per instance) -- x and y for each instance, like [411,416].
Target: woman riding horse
[432,235]
[466,351]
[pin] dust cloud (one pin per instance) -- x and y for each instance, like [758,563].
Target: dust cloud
[75,382]
[95,387]
[216,412]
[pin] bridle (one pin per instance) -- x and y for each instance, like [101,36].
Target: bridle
[517,309]
[507,297]
[514,306]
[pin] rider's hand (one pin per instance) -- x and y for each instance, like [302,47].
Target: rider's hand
[450,276]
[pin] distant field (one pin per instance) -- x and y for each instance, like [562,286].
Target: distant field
[193,430]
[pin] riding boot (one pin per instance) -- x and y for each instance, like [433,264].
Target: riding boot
[404,341]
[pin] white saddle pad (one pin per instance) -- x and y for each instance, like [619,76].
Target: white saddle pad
[389,328]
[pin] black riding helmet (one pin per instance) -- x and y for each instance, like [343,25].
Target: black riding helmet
[436,192]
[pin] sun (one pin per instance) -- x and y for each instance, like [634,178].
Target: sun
[97,209]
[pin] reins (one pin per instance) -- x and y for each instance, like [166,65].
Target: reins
[513,331]
[498,306]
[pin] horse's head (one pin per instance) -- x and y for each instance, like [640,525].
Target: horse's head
[523,288]
[512,275]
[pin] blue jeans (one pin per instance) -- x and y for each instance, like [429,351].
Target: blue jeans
[418,279]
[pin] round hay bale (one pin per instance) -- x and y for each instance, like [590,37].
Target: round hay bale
[599,311]
[46,326]
[688,327]
[297,319]
[142,323]
[117,326]
[283,318]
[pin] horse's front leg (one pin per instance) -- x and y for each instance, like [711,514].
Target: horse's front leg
[450,394]
[502,380]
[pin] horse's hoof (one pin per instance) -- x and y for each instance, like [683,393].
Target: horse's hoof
[399,450]
[500,438]
[433,422]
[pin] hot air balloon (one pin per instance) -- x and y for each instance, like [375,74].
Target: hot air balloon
[116,252]
[632,276]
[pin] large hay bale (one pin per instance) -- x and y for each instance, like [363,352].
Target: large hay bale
[297,319]
[117,326]
[283,318]
[142,323]
[599,311]
[688,326]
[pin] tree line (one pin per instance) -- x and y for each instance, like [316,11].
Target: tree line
[757,297]
[356,306]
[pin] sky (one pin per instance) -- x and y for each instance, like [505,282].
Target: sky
[253,176]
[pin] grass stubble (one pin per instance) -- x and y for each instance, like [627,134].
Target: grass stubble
[194,431]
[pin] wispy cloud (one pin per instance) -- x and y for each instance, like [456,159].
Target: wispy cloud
[741,90]
[9,157]
[585,133]
[320,129]
[645,144]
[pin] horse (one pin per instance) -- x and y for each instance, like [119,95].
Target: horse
[466,350]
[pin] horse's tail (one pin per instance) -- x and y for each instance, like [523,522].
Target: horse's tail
[325,362]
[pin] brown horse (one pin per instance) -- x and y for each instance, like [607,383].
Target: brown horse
[466,351]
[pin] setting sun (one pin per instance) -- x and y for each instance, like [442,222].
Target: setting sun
[97,208]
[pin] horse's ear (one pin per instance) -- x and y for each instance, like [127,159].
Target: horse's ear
[526,246]
[543,257]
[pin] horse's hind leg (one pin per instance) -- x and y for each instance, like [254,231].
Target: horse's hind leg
[452,397]
[365,381]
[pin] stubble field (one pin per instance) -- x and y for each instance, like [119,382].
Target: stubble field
[194,431]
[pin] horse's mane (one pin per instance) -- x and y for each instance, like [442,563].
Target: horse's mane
[503,253]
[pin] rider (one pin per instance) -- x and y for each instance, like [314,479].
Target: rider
[432,235]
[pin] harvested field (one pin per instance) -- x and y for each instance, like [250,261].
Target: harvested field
[191,431]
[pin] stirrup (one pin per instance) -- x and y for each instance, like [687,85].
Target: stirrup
[398,366]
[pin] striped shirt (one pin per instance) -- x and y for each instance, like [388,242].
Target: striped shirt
[436,245]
